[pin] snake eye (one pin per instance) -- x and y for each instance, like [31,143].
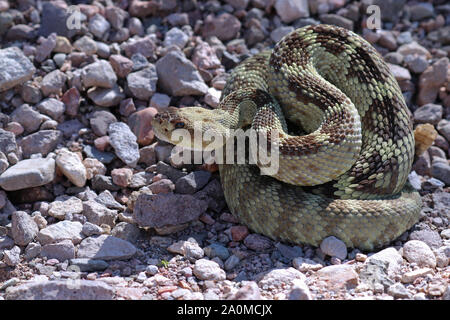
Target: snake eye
[179,125]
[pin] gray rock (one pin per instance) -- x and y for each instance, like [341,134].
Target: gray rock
[391,9]
[208,270]
[101,183]
[8,142]
[86,44]
[290,10]
[441,171]
[334,247]
[98,25]
[65,205]
[88,265]
[100,122]
[175,37]
[70,128]
[53,83]
[15,68]
[106,97]
[231,262]
[79,289]
[32,250]
[51,107]
[124,143]
[106,248]
[391,257]
[99,74]
[299,291]
[64,230]
[277,278]
[419,252]
[6,243]
[142,83]
[12,257]
[54,19]
[103,157]
[90,229]
[169,171]
[29,118]
[289,252]
[43,142]
[23,228]
[126,231]
[337,20]
[430,237]
[278,33]
[107,199]
[414,180]
[257,242]
[178,76]
[416,63]
[398,290]
[98,214]
[193,182]
[217,250]
[163,210]
[63,250]
[375,273]
[28,173]
[421,11]
[429,113]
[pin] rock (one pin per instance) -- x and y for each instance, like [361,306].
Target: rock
[32,250]
[43,142]
[204,57]
[391,9]
[441,171]
[428,113]
[212,98]
[121,65]
[27,117]
[87,265]
[414,48]
[98,214]
[79,289]
[431,80]
[144,46]
[51,107]
[162,186]
[142,83]
[305,264]
[124,143]
[86,44]
[140,124]
[178,75]
[193,182]
[398,290]
[299,291]
[23,228]
[101,183]
[45,48]
[64,230]
[217,250]
[53,83]
[416,63]
[393,58]
[391,257]
[122,176]
[421,11]
[160,101]
[334,247]
[257,242]
[248,291]
[419,252]
[126,231]
[277,34]
[99,74]
[337,20]
[90,229]
[175,37]
[238,233]
[127,107]
[100,122]
[167,209]
[6,242]
[277,278]
[28,173]
[337,276]
[231,262]
[399,73]
[140,180]
[409,277]
[65,205]
[225,26]
[290,10]
[61,251]
[208,270]
[15,68]
[54,19]
[430,237]
[98,26]
[12,257]
[72,167]
[106,97]
[106,248]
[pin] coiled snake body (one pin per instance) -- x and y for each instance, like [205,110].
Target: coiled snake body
[347,175]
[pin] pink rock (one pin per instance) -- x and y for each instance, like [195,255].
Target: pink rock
[162,186]
[127,107]
[45,48]
[71,99]
[102,143]
[139,8]
[15,128]
[140,124]
[204,57]
[144,46]
[238,233]
[225,27]
[121,65]
[122,176]
[431,80]
[93,167]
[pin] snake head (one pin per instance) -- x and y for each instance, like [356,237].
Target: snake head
[191,128]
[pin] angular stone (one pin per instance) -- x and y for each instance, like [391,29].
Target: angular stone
[339,275]
[65,205]
[29,118]
[420,253]
[208,270]
[15,68]
[98,214]
[290,10]
[124,143]
[71,166]
[99,74]
[23,228]
[52,107]
[140,124]
[53,83]
[334,247]
[64,230]
[106,248]
[28,173]
[142,83]
[63,250]
[43,142]
[87,265]
[106,97]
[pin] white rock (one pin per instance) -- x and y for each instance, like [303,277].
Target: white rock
[72,167]
[65,205]
[391,256]
[289,10]
[409,277]
[61,231]
[279,277]
[208,270]
[305,264]
[23,228]
[419,252]
[299,291]
[27,174]
[212,98]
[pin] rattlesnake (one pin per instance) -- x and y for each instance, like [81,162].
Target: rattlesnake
[347,176]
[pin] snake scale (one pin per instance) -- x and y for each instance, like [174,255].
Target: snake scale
[346,174]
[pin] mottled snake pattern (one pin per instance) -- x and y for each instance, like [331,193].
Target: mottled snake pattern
[346,174]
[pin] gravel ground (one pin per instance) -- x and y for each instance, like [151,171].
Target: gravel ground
[92,205]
